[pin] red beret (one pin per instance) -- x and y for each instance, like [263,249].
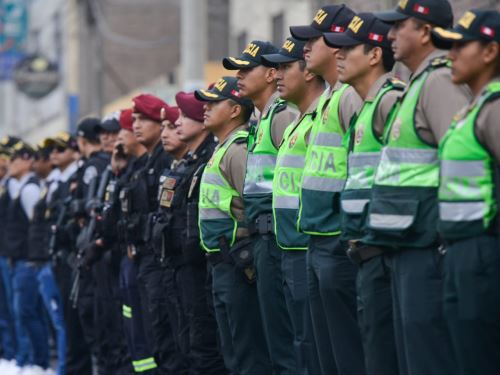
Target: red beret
[126,119]
[170,113]
[190,106]
[149,105]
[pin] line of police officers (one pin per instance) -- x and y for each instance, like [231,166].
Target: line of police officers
[350,227]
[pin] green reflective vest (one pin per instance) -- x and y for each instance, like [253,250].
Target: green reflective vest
[261,161]
[364,156]
[467,204]
[325,170]
[403,211]
[286,185]
[215,217]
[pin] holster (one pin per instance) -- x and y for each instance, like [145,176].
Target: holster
[241,255]
[264,224]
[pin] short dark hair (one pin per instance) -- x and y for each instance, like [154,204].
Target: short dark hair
[387,56]
[246,112]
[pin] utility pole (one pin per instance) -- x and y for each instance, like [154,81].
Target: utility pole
[193,43]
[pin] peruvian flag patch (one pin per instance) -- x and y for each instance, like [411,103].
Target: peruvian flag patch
[337,29]
[375,37]
[488,31]
[420,9]
[235,93]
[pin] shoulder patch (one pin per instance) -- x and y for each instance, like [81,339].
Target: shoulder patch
[396,83]
[89,174]
[439,62]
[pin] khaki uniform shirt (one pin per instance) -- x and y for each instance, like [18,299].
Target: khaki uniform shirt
[280,121]
[385,105]
[488,127]
[439,101]
[233,167]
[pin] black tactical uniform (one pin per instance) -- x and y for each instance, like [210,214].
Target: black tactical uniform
[176,238]
[139,199]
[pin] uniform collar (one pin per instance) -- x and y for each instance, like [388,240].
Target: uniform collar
[310,110]
[269,103]
[377,85]
[230,135]
[425,63]
[475,100]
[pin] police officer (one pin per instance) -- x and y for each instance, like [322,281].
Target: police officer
[256,82]
[223,236]
[24,192]
[141,199]
[9,336]
[130,157]
[331,274]
[365,61]
[178,223]
[298,86]
[84,193]
[108,131]
[39,252]
[64,157]
[469,194]
[403,213]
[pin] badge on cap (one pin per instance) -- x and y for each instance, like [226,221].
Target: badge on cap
[320,16]
[403,3]
[163,113]
[288,45]
[252,49]
[467,19]
[221,83]
[355,24]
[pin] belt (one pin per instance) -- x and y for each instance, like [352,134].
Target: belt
[264,224]
[216,257]
[359,253]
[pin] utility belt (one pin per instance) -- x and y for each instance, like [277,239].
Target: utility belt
[239,255]
[264,224]
[359,253]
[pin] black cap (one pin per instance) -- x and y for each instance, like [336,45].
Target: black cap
[330,18]
[110,123]
[475,24]
[88,128]
[437,12]
[23,150]
[43,150]
[62,139]
[250,57]
[364,28]
[292,50]
[225,88]
[9,141]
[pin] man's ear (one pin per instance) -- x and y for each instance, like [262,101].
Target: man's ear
[270,75]
[308,75]
[235,111]
[491,52]
[375,56]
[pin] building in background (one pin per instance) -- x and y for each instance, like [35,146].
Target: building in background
[107,51]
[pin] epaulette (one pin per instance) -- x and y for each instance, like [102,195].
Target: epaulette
[396,83]
[439,62]
[279,106]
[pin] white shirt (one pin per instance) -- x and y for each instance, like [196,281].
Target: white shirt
[30,193]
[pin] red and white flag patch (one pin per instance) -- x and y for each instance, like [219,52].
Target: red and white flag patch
[488,31]
[235,93]
[420,9]
[376,37]
[337,29]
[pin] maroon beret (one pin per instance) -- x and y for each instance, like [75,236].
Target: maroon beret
[149,106]
[170,113]
[126,119]
[190,106]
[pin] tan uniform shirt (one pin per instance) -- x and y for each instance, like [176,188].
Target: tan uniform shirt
[349,105]
[488,127]
[280,121]
[233,167]
[439,101]
[385,105]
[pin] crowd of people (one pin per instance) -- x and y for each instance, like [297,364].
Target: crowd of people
[311,214]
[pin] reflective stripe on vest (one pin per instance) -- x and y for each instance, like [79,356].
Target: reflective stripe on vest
[286,184]
[406,160]
[326,170]
[144,364]
[467,203]
[216,194]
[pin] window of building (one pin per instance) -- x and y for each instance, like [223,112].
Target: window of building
[278,23]
[242,41]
